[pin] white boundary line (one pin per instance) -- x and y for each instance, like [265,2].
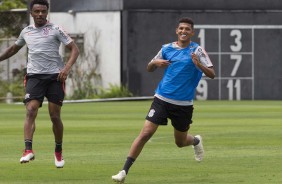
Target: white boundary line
[101,100]
[238,26]
[110,99]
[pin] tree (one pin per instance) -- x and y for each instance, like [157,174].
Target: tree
[12,4]
[12,22]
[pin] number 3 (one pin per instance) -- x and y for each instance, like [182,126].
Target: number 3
[238,44]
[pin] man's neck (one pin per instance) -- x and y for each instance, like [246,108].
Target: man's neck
[40,25]
[183,44]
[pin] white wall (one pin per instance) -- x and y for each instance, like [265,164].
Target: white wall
[108,27]
[103,27]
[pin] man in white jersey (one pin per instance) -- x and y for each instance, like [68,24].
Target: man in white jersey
[184,62]
[46,74]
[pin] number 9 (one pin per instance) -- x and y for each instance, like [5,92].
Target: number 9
[202,90]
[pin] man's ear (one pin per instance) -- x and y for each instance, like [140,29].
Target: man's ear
[193,33]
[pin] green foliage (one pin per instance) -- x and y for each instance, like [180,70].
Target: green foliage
[12,4]
[82,94]
[4,88]
[89,92]
[115,91]
[12,22]
[15,86]
[84,87]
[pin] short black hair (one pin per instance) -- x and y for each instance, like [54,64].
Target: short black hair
[187,20]
[41,2]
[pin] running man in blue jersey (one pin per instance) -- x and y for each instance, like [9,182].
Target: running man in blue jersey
[184,62]
[46,74]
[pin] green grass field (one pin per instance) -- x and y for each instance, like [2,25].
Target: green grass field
[242,142]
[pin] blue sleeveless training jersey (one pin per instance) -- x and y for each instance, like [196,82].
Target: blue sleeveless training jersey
[181,77]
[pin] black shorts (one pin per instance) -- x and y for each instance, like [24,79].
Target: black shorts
[38,86]
[180,116]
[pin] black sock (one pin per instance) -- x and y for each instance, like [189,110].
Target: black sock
[58,147]
[128,163]
[28,144]
[196,141]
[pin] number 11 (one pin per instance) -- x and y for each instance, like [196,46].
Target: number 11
[231,86]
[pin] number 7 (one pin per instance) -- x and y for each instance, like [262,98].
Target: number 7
[238,59]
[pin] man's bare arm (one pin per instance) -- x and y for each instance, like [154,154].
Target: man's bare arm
[10,51]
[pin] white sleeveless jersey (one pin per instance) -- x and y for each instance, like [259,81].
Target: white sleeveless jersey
[43,48]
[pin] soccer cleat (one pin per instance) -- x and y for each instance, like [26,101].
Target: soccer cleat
[120,177]
[199,149]
[59,161]
[27,156]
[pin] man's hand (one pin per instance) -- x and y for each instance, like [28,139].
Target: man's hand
[195,59]
[208,71]
[161,63]
[63,74]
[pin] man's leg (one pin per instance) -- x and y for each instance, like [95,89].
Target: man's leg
[55,116]
[29,129]
[146,133]
[58,129]
[183,139]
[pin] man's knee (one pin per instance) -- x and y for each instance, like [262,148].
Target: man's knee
[55,118]
[31,111]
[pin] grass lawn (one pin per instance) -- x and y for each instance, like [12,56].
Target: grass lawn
[242,141]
